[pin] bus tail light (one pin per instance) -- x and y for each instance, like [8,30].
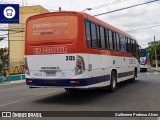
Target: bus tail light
[80,67]
[26,66]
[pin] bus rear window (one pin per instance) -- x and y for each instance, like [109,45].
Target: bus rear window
[52,28]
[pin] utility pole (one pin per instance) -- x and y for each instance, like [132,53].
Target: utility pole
[22,3]
[8,56]
[155,52]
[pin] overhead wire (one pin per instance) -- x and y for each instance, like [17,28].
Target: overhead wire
[124,8]
[143,28]
[108,4]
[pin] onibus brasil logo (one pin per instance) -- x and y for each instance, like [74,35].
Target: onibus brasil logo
[9,12]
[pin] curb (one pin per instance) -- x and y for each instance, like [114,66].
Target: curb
[12,82]
[14,78]
[155,70]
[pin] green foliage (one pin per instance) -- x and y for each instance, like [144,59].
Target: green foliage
[3,57]
[1,67]
[151,51]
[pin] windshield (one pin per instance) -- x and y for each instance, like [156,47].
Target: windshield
[143,53]
[52,28]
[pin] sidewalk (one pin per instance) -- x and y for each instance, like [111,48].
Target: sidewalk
[14,79]
[155,69]
[13,82]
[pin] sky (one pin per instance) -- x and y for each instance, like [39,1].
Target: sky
[142,22]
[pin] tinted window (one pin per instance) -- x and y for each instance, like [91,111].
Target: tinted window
[106,37]
[110,40]
[88,33]
[98,37]
[102,37]
[134,46]
[143,53]
[94,35]
[123,43]
[114,41]
[131,45]
[118,41]
[127,44]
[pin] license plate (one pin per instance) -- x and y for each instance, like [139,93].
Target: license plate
[50,74]
[38,74]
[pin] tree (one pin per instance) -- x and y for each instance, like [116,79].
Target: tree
[3,58]
[151,51]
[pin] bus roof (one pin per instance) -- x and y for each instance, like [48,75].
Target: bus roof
[85,15]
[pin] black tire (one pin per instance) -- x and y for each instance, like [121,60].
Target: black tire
[69,89]
[145,70]
[113,82]
[135,75]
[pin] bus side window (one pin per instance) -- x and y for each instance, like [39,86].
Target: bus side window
[93,35]
[131,45]
[88,34]
[123,43]
[103,44]
[110,40]
[114,41]
[127,44]
[107,39]
[118,41]
[98,37]
[134,46]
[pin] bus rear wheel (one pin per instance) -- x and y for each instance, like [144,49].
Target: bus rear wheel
[70,89]
[113,82]
[135,75]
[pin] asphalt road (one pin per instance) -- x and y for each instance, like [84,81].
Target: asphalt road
[142,95]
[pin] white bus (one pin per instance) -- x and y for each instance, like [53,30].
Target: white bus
[74,50]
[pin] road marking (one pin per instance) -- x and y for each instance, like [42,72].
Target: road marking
[10,103]
[11,88]
[148,73]
[48,93]
[156,73]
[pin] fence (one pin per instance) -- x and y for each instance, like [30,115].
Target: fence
[17,71]
[17,67]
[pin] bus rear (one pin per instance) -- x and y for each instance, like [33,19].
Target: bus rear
[144,61]
[51,57]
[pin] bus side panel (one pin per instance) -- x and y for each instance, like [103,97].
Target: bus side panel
[96,70]
[110,63]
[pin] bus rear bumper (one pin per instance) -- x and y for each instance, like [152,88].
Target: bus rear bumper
[66,83]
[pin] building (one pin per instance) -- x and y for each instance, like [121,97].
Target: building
[154,43]
[17,34]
